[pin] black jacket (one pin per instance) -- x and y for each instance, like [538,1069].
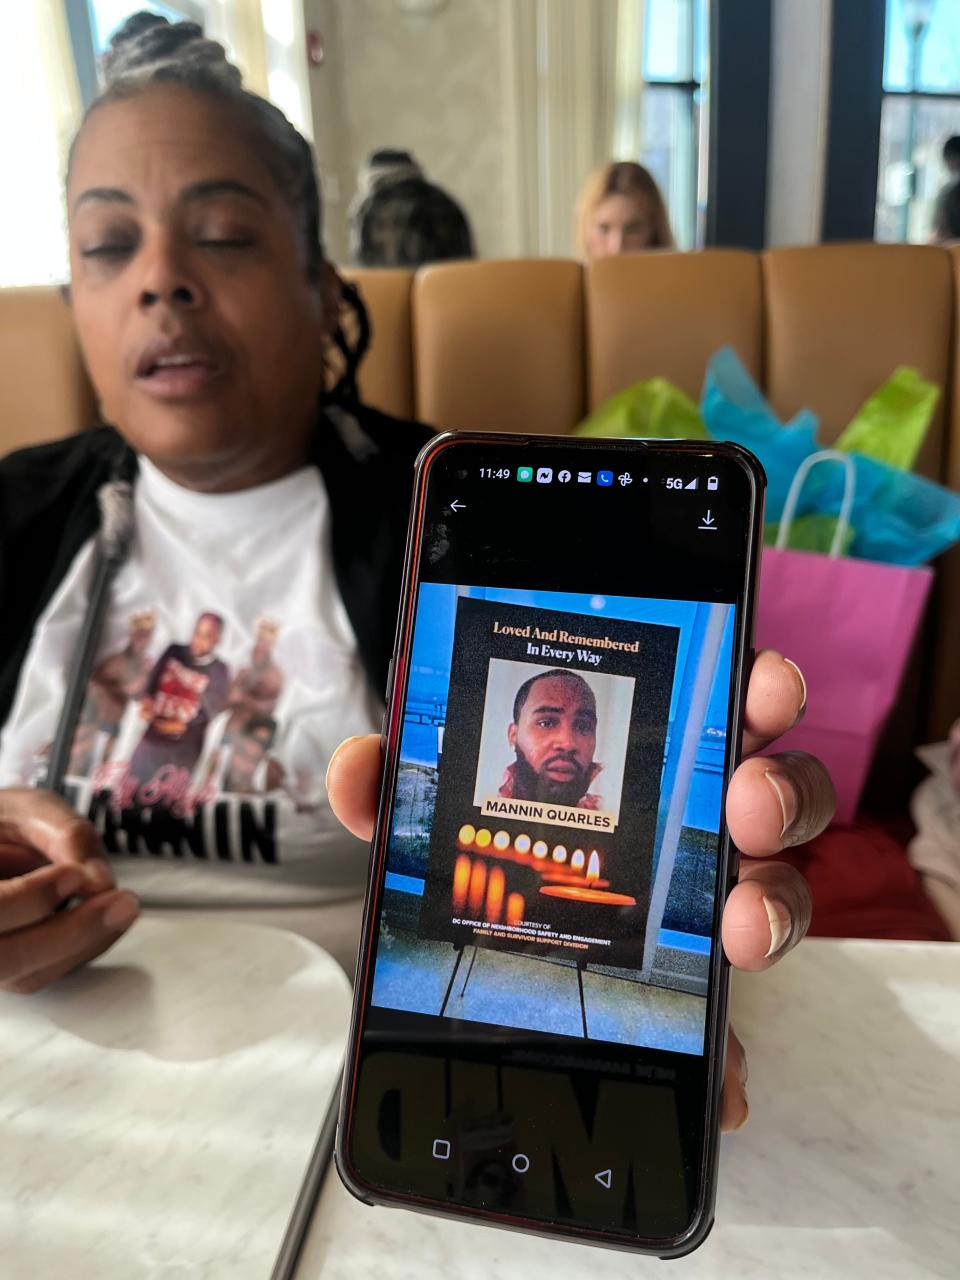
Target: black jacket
[48,510]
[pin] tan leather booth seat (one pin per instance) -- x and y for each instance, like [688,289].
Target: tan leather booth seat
[665,314]
[840,318]
[44,392]
[534,345]
[386,375]
[499,345]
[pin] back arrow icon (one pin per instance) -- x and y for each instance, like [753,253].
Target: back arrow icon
[604,1177]
[457,505]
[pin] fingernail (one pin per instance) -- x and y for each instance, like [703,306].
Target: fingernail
[746,1111]
[346,742]
[122,912]
[68,882]
[780,925]
[786,797]
[803,688]
[99,873]
[743,1071]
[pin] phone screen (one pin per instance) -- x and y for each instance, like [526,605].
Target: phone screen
[541,994]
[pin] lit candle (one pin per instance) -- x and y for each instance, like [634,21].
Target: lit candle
[501,840]
[599,897]
[560,853]
[577,859]
[466,835]
[516,906]
[540,849]
[461,879]
[478,883]
[593,866]
[495,890]
[522,844]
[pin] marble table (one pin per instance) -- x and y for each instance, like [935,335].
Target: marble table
[158,1109]
[849,1166]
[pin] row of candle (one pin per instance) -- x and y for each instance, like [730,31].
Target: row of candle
[483,891]
[484,840]
[570,876]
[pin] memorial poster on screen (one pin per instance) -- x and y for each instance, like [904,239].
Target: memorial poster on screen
[549,783]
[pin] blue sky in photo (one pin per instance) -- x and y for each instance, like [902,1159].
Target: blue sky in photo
[433,645]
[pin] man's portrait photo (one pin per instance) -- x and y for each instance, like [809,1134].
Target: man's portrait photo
[554,736]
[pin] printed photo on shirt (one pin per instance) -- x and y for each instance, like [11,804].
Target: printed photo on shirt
[186,689]
[238,760]
[226,672]
[121,678]
[242,764]
[180,728]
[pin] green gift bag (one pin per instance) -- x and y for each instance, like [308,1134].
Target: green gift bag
[891,425]
[654,409]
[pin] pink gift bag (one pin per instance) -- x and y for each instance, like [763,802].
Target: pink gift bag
[849,625]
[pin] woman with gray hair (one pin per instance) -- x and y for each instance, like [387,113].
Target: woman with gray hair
[239,478]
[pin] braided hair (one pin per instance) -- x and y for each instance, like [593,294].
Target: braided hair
[148,50]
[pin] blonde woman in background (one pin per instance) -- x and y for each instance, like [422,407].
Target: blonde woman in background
[620,210]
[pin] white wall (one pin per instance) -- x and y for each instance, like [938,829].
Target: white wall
[799,93]
[430,84]
[444,86]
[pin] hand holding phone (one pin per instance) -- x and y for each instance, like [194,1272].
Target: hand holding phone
[556,1060]
[774,704]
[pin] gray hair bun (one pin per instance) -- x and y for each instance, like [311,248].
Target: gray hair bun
[147,47]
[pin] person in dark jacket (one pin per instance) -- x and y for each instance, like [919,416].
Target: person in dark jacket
[186,688]
[248,488]
[945,228]
[401,219]
[232,483]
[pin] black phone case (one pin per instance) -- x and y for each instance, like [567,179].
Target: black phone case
[728,862]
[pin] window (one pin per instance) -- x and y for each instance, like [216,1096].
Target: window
[106,16]
[662,123]
[39,105]
[921,109]
[586,83]
[93,23]
[264,38]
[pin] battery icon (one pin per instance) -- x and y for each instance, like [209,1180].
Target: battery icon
[713,482]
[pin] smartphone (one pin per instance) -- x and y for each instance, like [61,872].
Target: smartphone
[539,1025]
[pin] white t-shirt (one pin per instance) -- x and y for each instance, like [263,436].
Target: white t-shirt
[226,674]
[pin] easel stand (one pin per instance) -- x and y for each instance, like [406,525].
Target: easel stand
[473,961]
